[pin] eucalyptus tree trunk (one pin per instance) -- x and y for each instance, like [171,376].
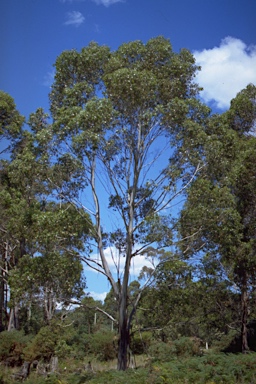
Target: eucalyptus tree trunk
[124,324]
[1,302]
[49,303]
[4,290]
[124,335]
[13,318]
[2,295]
[245,309]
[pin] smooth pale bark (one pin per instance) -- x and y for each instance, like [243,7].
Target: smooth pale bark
[49,303]
[1,300]
[13,318]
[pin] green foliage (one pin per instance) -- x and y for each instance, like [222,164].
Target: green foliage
[189,300]
[62,349]
[218,218]
[187,346]
[34,224]
[10,119]
[222,343]
[12,347]
[140,342]
[103,345]
[44,344]
[5,378]
[161,351]
[241,115]
[77,378]
[59,273]
[167,351]
[50,379]
[210,369]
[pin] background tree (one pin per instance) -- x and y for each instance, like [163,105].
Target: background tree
[219,215]
[188,301]
[119,114]
[11,123]
[41,238]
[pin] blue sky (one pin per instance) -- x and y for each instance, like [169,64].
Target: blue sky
[220,33]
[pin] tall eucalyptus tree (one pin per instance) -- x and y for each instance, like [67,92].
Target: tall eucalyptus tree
[118,116]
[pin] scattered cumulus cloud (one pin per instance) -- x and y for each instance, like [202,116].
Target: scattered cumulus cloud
[114,262]
[226,70]
[74,18]
[107,3]
[98,296]
[112,257]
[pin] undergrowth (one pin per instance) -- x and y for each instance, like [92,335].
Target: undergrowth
[208,369]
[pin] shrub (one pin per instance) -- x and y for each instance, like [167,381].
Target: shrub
[78,344]
[161,351]
[187,346]
[43,344]
[141,342]
[183,347]
[62,350]
[103,345]
[12,345]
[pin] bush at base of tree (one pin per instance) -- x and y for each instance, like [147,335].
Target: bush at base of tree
[103,345]
[140,342]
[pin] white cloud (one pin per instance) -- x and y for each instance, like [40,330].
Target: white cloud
[107,3]
[98,296]
[115,262]
[74,18]
[97,285]
[226,70]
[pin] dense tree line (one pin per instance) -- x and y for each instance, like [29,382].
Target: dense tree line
[127,142]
